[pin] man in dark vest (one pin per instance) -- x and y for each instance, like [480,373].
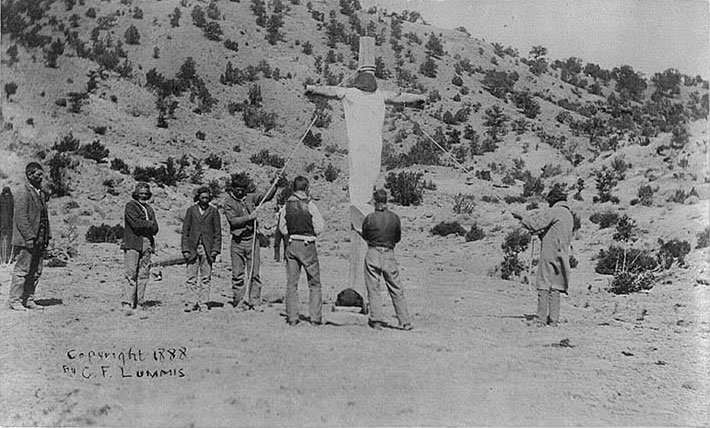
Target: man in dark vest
[30,237]
[301,221]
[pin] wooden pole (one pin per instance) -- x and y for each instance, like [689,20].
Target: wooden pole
[7,209]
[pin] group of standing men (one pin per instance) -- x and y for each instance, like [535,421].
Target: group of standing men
[299,222]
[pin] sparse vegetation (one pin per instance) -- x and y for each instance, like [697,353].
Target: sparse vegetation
[104,233]
[515,243]
[446,228]
[406,188]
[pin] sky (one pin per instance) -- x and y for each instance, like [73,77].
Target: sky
[649,35]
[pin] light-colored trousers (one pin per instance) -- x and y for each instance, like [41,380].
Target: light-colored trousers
[301,254]
[382,261]
[241,254]
[199,276]
[548,306]
[25,275]
[137,275]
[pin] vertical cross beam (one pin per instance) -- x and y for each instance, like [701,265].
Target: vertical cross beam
[358,247]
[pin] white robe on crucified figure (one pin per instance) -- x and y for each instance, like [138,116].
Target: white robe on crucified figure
[364,107]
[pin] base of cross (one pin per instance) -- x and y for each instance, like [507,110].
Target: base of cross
[358,248]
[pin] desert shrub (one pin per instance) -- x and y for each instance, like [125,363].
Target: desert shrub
[604,219]
[551,170]
[213,31]
[532,186]
[132,36]
[200,135]
[59,165]
[94,151]
[573,262]
[266,158]
[331,173]
[617,259]
[406,188]
[515,242]
[464,204]
[10,89]
[255,117]
[625,229]
[104,233]
[313,140]
[475,233]
[168,174]
[421,153]
[672,251]
[117,164]
[215,187]
[627,282]
[67,143]
[510,199]
[214,161]
[77,101]
[703,238]
[620,166]
[645,195]
[606,180]
[681,195]
[446,228]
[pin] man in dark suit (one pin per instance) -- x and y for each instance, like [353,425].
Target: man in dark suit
[30,236]
[201,244]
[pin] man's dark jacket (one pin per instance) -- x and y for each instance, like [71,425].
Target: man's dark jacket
[137,226]
[207,225]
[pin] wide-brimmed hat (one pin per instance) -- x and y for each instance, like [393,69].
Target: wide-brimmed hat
[141,185]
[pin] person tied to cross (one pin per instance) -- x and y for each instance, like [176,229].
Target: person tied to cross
[364,107]
[554,227]
[201,244]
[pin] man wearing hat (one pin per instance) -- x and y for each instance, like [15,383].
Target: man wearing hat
[364,108]
[554,227]
[30,237]
[138,244]
[240,211]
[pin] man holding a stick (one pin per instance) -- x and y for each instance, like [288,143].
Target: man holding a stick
[240,210]
[554,227]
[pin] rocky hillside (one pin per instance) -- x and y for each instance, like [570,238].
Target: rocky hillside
[105,93]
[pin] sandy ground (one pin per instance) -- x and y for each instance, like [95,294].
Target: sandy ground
[473,359]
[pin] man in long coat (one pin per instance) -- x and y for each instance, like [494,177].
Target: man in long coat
[554,227]
[30,237]
[201,243]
